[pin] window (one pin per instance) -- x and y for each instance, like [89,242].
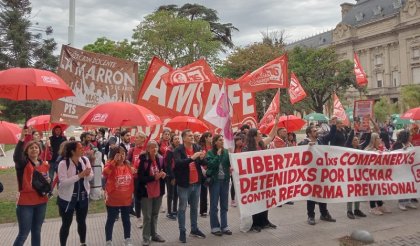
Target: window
[378,60]
[379,80]
[395,78]
[416,53]
[416,75]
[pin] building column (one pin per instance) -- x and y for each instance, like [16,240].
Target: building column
[368,69]
[387,67]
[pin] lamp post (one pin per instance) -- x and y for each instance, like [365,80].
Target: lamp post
[264,103]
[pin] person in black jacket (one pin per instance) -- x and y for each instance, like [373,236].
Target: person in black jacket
[151,182]
[56,139]
[172,194]
[188,160]
[313,139]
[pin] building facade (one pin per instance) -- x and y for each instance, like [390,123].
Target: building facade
[386,36]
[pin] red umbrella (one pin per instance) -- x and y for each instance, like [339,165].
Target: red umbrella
[187,122]
[413,114]
[290,122]
[117,114]
[43,123]
[9,133]
[32,84]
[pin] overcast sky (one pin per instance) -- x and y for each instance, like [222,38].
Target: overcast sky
[116,19]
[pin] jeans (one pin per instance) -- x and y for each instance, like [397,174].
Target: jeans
[219,192]
[232,190]
[150,208]
[112,214]
[30,219]
[172,197]
[191,195]
[350,206]
[374,204]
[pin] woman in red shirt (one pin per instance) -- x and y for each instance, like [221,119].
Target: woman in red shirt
[118,192]
[31,206]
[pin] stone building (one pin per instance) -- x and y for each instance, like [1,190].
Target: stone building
[386,36]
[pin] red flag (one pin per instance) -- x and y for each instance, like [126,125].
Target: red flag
[361,78]
[296,91]
[196,72]
[271,75]
[339,111]
[271,112]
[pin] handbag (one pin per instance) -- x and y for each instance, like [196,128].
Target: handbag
[40,184]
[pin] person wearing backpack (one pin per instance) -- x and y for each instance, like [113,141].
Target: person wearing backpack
[31,206]
[74,174]
[118,193]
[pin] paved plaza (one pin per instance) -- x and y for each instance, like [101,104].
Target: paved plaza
[397,228]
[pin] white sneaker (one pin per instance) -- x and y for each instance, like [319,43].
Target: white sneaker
[139,223]
[109,243]
[384,209]
[128,242]
[402,207]
[163,210]
[411,205]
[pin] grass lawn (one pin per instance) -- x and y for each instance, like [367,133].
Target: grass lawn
[8,199]
[8,147]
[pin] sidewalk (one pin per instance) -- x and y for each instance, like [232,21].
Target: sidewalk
[7,160]
[398,228]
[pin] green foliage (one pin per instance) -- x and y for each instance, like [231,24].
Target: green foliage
[121,49]
[321,74]
[410,95]
[221,31]
[177,40]
[24,45]
[382,109]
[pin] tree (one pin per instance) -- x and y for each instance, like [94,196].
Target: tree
[177,40]
[321,74]
[121,49]
[410,95]
[383,109]
[221,31]
[23,45]
[248,59]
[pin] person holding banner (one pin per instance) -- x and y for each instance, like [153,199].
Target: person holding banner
[188,161]
[255,142]
[354,143]
[403,142]
[376,207]
[218,172]
[313,139]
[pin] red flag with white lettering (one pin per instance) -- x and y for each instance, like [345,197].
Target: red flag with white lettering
[271,75]
[339,111]
[271,112]
[361,78]
[296,91]
[196,72]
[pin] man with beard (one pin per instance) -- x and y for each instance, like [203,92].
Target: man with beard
[125,141]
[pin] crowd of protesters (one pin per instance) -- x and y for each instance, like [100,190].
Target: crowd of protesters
[189,168]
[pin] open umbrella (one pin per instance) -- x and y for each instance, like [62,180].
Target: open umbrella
[117,114]
[9,133]
[316,117]
[43,123]
[187,122]
[32,84]
[403,122]
[413,114]
[290,122]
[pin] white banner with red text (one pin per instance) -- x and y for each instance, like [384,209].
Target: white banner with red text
[266,179]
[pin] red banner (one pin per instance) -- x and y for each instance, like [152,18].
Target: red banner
[361,78]
[339,111]
[193,99]
[196,72]
[271,112]
[296,91]
[271,75]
